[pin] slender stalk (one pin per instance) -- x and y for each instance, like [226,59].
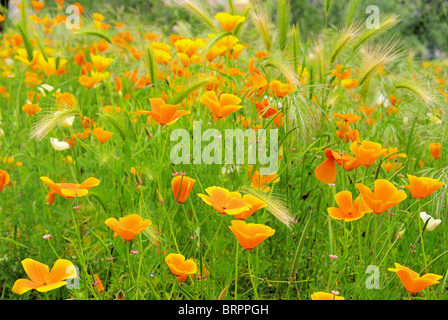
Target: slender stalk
[236,269]
[251,277]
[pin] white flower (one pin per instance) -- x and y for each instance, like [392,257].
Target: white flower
[432,223]
[382,100]
[45,88]
[68,122]
[2,133]
[434,118]
[59,145]
[405,120]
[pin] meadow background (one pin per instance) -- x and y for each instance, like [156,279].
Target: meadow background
[403,81]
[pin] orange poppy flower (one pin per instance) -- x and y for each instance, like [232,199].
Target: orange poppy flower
[37,5]
[162,113]
[182,186]
[224,201]
[80,7]
[389,165]
[421,187]
[52,66]
[394,100]
[102,135]
[128,227]
[136,53]
[98,284]
[250,235]
[344,131]
[384,196]
[112,109]
[325,296]
[150,36]
[65,100]
[41,278]
[434,148]
[348,117]
[71,190]
[264,110]
[186,46]
[93,80]
[348,210]
[51,195]
[221,108]
[392,153]
[350,163]
[180,267]
[100,63]
[367,110]
[227,21]
[281,89]
[367,152]
[411,280]
[256,82]
[349,83]
[256,204]
[260,182]
[60,4]
[31,109]
[97,16]
[4,179]
[118,84]
[326,171]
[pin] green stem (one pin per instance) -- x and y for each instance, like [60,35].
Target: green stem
[236,269]
[216,233]
[251,277]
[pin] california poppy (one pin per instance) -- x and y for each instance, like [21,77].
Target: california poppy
[4,179]
[31,108]
[162,113]
[260,182]
[350,163]
[128,227]
[411,280]
[250,235]
[221,108]
[41,278]
[421,187]
[434,149]
[224,201]
[227,21]
[280,89]
[256,204]
[347,117]
[326,171]
[95,77]
[181,267]
[384,196]
[186,46]
[325,296]
[52,66]
[102,135]
[264,110]
[98,284]
[182,186]
[367,152]
[71,190]
[101,63]
[348,209]
[37,5]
